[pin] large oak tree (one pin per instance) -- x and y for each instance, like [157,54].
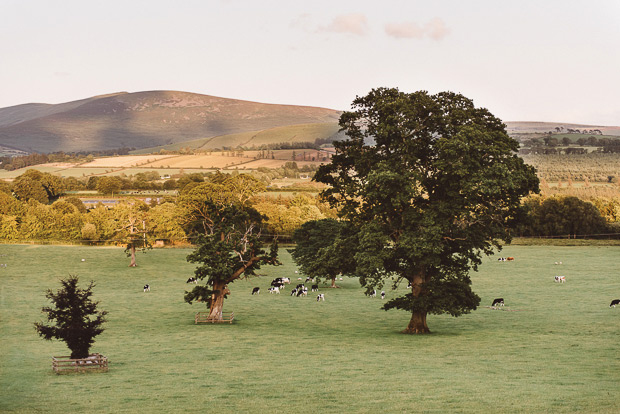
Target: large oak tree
[433,183]
[228,229]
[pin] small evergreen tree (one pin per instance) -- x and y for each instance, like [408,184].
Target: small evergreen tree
[75,317]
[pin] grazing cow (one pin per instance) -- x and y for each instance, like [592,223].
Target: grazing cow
[340,279]
[314,288]
[277,282]
[309,279]
[293,292]
[299,286]
[498,302]
[320,297]
[302,292]
[510,259]
[614,303]
[372,294]
[501,259]
[383,294]
[298,277]
[560,279]
[286,280]
[274,289]
[192,280]
[256,290]
[147,288]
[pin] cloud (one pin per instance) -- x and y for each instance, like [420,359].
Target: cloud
[435,29]
[404,30]
[355,23]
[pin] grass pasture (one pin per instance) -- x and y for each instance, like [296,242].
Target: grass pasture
[557,352]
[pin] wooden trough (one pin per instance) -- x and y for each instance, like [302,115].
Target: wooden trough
[203,317]
[94,362]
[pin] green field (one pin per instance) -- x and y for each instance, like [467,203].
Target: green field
[557,352]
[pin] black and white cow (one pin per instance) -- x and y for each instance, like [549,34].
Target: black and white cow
[147,288]
[614,303]
[256,291]
[294,292]
[498,302]
[383,294]
[314,288]
[320,297]
[274,289]
[192,280]
[372,294]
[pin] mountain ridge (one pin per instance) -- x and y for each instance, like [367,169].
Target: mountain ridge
[161,118]
[143,119]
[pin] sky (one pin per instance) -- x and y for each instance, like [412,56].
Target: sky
[527,60]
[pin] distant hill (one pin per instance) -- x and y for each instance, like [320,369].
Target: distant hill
[147,119]
[155,120]
[517,128]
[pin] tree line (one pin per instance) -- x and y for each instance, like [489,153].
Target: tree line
[35,207]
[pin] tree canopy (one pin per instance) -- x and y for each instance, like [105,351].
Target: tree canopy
[432,183]
[325,248]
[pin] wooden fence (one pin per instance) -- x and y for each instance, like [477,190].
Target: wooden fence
[203,317]
[94,362]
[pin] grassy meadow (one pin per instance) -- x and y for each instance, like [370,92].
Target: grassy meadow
[555,347]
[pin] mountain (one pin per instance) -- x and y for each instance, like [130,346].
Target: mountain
[144,120]
[521,128]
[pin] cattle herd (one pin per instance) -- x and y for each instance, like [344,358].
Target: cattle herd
[278,284]
[559,279]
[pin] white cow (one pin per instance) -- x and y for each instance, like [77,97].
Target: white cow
[560,279]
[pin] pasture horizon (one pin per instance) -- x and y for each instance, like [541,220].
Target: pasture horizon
[555,352]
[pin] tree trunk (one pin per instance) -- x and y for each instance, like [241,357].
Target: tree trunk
[217,302]
[417,324]
[334,282]
[132,249]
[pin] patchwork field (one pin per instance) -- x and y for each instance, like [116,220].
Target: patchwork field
[554,348]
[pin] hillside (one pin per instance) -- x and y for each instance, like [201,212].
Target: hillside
[517,129]
[143,120]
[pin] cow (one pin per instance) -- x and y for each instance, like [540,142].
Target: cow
[147,288]
[293,292]
[320,297]
[286,280]
[314,288]
[614,303]
[277,282]
[383,294]
[560,279]
[192,280]
[510,259]
[372,294]
[302,292]
[274,289]
[498,302]
[299,286]
[256,291]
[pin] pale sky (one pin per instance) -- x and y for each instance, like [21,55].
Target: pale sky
[526,60]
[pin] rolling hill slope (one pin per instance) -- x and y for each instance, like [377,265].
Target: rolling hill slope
[143,120]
